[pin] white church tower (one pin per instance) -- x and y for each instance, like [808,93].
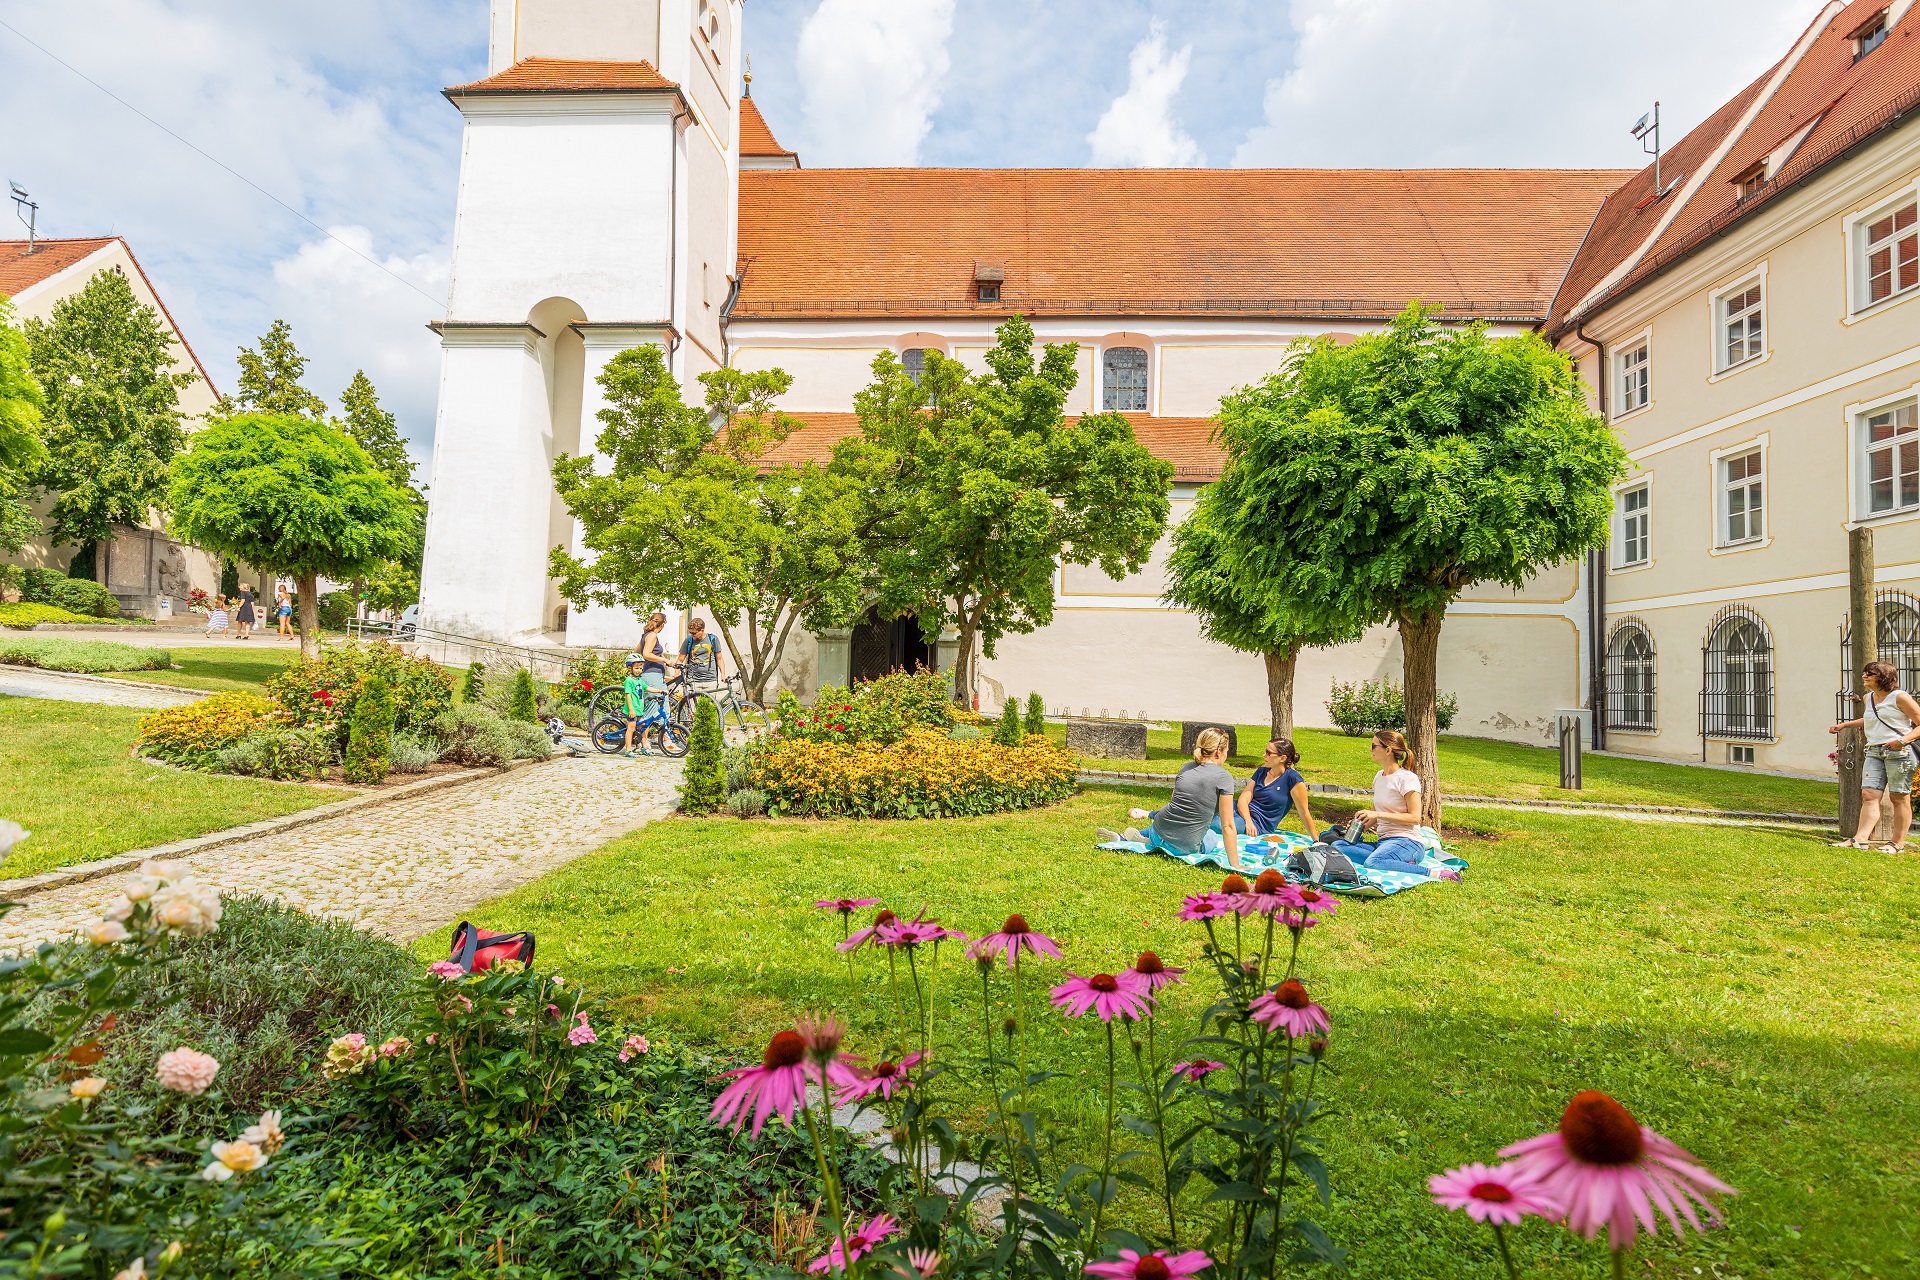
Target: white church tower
[599,183]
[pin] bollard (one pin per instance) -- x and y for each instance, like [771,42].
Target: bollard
[1570,753]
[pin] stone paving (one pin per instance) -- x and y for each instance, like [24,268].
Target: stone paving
[30,682]
[407,868]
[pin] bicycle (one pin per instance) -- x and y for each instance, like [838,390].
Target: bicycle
[725,698]
[653,728]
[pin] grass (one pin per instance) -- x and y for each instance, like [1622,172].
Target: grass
[1510,770]
[222,670]
[70,779]
[55,654]
[1751,994]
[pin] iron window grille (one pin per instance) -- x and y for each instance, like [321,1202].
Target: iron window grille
[1630,690]
[1125,382]
[1736,678]
[1897,632]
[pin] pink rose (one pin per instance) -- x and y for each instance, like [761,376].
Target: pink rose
[186,1071]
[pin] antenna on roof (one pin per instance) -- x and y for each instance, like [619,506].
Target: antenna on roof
[1647,130]
[749,76]
[32,214]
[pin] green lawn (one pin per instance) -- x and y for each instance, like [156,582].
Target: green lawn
[1485,767]
[1751,994]
[70,779]
[221,669]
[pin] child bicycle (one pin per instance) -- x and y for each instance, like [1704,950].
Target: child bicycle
[654,732]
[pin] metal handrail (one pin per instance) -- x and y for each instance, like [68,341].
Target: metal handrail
[443,646]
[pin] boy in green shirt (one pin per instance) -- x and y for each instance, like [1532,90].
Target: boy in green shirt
[636,702]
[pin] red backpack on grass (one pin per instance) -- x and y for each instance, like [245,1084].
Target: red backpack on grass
[476,950]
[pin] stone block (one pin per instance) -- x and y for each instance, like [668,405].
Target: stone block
[1190,729]
[1107,739]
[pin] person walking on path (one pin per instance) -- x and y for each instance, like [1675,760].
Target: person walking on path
[1892,723]
[246,617]
[217,616]
[283,606]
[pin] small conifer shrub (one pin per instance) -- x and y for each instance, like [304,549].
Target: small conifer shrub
[703,787]
[523,706]
[370,735]
[476,682]
[1036,714]
[1008,732]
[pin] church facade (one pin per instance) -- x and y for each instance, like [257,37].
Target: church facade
[617,189]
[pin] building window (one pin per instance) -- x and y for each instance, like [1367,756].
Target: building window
[1745,504]
[914,360]
[1630,688]
[1635,538]
[1893,254]
[1870,36]
[1750,183]
[1124,386]
[986,290]
[1897,632]
[1636,383]
[1893,459]
[1741,339]
[1736,688]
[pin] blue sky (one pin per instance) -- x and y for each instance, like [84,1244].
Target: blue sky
[333,106]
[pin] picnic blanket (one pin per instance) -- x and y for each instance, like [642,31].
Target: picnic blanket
[1259,853]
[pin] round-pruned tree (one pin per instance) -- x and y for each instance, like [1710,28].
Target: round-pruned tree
[1378,480]
[290,495]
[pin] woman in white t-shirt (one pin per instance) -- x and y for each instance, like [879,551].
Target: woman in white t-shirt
[1395,815]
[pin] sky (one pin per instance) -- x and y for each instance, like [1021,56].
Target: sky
[323,185]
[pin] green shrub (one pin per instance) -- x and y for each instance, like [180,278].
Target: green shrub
[927,774]
[411,753]
[1036,714]
[370,730]
[1367,706]
[36,585]
[572,714]
[323,690]
[747,803]
[471,734]
[873,711]
[530,741]
[54,654]
[288,755]
[522,706]
[1008,732]
[336,610]
[76,595]
[738,765]
[703,786]
[475,682]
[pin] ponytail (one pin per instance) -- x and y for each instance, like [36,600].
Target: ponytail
[1288,753]
[1392,741]
[1206,742]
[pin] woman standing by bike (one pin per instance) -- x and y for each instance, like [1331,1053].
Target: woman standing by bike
[655,662]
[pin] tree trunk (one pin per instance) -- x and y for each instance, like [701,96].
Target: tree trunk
[309,586]
[966,671]
[1280,668]
[1864,643]
[1420,655]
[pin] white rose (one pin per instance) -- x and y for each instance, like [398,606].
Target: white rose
[187,906]
[102,932]
[120,908]
[140,888]
[164,869]
[11,834]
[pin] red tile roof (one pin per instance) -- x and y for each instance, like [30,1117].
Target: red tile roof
[1847,103]
[1187,443]
[756,139]
[1279,242]
[570,75]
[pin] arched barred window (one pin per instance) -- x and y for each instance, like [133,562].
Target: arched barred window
[1630,677]
[1124,386]
[1736,687]
[1897,630]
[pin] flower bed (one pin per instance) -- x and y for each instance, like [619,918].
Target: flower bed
[926,774]
[192,734]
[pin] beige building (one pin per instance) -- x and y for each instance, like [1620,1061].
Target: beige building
[1751,329]
[142,566]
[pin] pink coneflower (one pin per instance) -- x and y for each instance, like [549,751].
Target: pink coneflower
[778,1084]
[1233,886]
[1501,1196]
[925,1262]
[859,1243]
[1310,903]
[1015,936]
[885,1078]
[1205,906]
[1107,994]
[1610,1170]
[1269,895]
[1155,973]
[846,906]
[1288,1008]
[1157,1265]
[870,934]
[821,1035]
[1199,1069]
[908,934]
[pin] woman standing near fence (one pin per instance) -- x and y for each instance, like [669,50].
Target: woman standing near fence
[1890,723]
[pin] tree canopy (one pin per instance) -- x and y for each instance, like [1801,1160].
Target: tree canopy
[105,364]
[269,379]
[293,496]
[20,451]
[374,429]
[984,490]
[1378,480]
[677,512]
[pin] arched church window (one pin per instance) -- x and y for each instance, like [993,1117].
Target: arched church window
[1630,678]
[1124,382]
[914,360]
[1736,688]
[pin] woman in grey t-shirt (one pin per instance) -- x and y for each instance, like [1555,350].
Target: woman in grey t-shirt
[1202,796]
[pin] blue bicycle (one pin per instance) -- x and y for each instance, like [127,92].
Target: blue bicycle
[654,732]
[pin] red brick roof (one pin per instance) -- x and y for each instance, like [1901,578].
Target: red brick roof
[1187,443]
[570,75]
[1278,242]
[1846,102]
[756,139]
[19,270]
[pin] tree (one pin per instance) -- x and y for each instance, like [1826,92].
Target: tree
[1008,732]
[292,496]
[686,513]
[113,422]
[703,787]
[523,706]
[1377,481]
[475,683]
[987,491]
[270,378]
[1036,714]
[370,731]
[20,404]
[396,584]
[1200,578]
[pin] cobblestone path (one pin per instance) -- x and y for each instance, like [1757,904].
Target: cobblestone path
[28,682]
[407,868]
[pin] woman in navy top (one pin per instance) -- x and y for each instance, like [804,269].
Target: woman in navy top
[1272,793]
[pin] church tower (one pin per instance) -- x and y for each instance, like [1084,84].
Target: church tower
[599,190]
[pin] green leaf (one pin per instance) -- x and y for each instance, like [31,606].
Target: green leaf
[22,1041]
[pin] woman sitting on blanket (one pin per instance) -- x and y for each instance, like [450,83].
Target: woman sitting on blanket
[1271,794]
[1395,815]
[1198,821]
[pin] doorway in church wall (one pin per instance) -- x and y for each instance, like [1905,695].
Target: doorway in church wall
[879,645]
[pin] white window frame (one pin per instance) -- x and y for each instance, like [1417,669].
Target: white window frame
[1146,368]
[1639,484]
[1642,342]
[1859,493]
[1720,505]
[1718,303]
[1855,228]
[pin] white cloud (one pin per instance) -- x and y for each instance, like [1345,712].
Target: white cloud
[871,73]
[1138,130]
[1493,82]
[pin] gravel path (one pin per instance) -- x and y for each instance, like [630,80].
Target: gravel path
[30,682]
[407,868]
